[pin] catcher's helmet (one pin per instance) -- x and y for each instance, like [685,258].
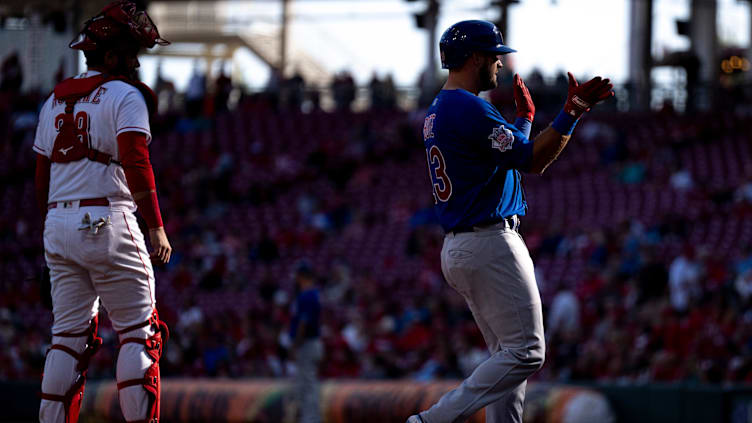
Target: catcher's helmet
[463,38]
[118,20]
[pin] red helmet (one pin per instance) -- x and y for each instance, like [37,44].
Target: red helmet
[117,20]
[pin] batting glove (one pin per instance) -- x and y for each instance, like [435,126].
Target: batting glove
[522,100]
[580,98]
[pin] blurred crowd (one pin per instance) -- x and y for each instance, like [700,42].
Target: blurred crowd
[641,235]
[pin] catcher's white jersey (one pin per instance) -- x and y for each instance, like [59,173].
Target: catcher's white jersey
[96,254]
[111,109]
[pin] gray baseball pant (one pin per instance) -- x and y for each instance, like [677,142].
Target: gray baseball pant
[307,361]
[492,269]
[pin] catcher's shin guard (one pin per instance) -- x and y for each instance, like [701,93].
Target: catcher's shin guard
[153,346]
[72,398]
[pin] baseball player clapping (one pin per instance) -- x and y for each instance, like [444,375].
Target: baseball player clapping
[475,159]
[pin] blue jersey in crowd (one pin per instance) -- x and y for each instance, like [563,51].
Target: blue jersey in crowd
[307,308]
[474,158]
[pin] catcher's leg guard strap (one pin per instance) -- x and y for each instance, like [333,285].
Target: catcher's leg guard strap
[74,395]
[153,347]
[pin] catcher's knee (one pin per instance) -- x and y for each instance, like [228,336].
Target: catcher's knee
[141,348]
[69,356]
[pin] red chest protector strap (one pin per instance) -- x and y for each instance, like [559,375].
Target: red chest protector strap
[72,142]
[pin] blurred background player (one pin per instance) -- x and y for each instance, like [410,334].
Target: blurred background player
[307,348]
[93,171]
[475,158]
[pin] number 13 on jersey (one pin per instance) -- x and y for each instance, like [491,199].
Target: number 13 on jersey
[442,185]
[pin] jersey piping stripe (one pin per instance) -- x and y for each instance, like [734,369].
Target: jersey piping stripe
[132,129]
[123,129]
[151,297]
[39,150]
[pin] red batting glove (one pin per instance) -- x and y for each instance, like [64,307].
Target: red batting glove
[580,98]
[522,99]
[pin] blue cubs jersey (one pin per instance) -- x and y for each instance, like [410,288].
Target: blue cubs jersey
[474,158]
[307,309]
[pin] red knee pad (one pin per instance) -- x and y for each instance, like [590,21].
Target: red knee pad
[74,396]
[153,346]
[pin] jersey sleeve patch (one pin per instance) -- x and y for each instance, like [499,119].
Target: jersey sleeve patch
[428,126]
[501,138]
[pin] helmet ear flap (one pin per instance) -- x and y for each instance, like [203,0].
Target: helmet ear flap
[453,56]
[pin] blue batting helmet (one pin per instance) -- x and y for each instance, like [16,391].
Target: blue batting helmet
[460,40]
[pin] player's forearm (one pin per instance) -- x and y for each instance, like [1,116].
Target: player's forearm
[524,125]
[148,204]
[546,148]
[137,196]
[134,156]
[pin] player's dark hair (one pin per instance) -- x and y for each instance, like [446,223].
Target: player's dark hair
[96,57]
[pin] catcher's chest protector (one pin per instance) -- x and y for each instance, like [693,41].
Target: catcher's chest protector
[72,142]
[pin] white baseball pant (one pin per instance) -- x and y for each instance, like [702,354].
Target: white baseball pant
[109,265]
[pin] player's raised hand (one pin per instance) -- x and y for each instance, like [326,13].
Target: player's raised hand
[522,99]
[580,98]
[160,245]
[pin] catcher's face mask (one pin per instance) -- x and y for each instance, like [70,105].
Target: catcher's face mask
[118,19]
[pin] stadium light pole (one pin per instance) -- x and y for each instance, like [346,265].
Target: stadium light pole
[703,34]
[748,74]
[429,20]
[640,56]
[74,18]
[432,15]
[283,37]
[503,20]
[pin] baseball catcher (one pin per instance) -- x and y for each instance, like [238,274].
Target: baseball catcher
[93,171]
